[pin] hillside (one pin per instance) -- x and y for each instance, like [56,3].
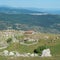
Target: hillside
[14,45]
[42,23]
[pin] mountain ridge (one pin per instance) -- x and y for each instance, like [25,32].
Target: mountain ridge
[17,10]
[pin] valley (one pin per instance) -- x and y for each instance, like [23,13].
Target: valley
[29,35]
[43,23]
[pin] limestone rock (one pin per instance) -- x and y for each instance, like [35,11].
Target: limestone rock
[46,53]
[11,54]
[5,52]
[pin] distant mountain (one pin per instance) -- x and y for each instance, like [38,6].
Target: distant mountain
[29,19]
[50,11]
[12,10]
[53,11]
[45,10]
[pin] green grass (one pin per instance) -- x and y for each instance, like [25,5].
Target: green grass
[55,50]
[28,58]
[53,45]
[29,42]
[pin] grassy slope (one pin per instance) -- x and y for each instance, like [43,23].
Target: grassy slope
[28,58]
[54,47]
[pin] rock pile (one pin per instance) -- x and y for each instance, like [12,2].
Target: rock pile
[15,53]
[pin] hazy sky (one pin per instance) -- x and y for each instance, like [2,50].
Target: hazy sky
[31,3]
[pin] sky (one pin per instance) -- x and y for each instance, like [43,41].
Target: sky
[31,3]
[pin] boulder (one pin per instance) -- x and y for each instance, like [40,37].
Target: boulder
[46,53]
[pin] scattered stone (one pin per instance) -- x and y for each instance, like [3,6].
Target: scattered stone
[22,55]
[5,52]
[46,37]
[35,54]
[17,54]
[28,53]
[32,55]
[11,54]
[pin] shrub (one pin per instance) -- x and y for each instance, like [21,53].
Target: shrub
[39,49]
[9,40]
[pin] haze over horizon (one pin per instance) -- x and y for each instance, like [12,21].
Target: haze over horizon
[47,4]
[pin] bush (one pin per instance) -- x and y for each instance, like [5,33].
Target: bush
[9,40]
[39,49]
